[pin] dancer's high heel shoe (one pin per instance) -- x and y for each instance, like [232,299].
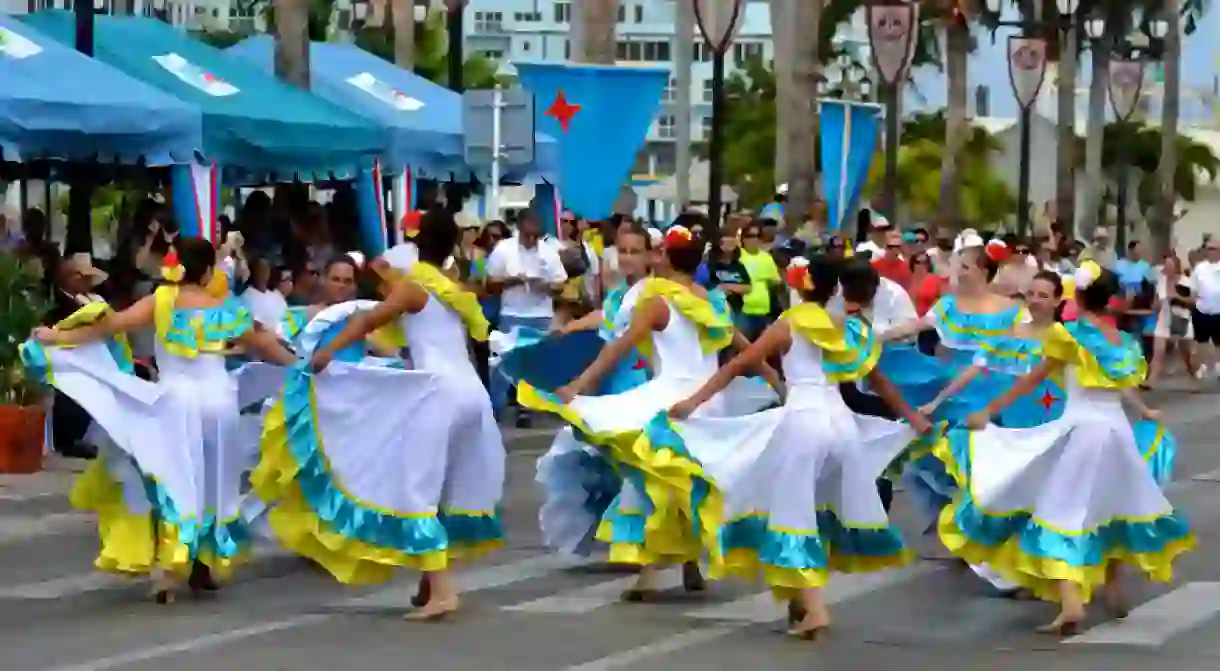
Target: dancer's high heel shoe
[162,592]
[692,577]
[435,611]
[808,631]
[638,595]
[1063,627]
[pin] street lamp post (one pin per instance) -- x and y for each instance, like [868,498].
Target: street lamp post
[456,11]
[718,21]
[892,30]
[1027,55]
[1128,62]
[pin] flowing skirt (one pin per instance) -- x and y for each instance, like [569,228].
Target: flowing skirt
[594,486]
[1061,500]
[799,489]
[367,468]
[166,487]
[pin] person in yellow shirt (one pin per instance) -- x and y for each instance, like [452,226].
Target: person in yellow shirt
[764,278]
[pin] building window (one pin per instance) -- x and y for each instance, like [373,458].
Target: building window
[745,51]
[707,90]
[493,54]
[670,93]
[567,50]
[706,124]
[639,13]
[488,22]
[702,53]
[563,12]
[650,52]
[622,13]
[665,126]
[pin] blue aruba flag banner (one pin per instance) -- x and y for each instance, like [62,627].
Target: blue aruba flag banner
[600,115]
[370,203]
[849,139]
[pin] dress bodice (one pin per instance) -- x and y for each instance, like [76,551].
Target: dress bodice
[438,339]
[192,342]
[677,351]
[961,330]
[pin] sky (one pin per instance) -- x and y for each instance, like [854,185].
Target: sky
[989,67]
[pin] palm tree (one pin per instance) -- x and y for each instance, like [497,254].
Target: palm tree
[403,18]
[291,32]
[801,100]
[957,51]
[783,37]
[1161,222]
[1065,164]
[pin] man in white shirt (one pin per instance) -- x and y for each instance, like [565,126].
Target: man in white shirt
[527,276]
[1205,282]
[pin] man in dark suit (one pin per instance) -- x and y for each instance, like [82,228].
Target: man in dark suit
[74,279]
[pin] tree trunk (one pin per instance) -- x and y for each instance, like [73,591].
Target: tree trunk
[957,49]
[1065,165]
[403,14]
[684,37]
[599,20]
[1095,178]
[783,37]
[1161,224]
[292,42]
[802,104]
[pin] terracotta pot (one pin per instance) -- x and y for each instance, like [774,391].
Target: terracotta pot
[21,438]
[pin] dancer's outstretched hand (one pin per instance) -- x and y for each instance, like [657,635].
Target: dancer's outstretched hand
[919,422]
[683,409]
[566,394]
[320,361]
[44,334]
[977,421]
[1152,415]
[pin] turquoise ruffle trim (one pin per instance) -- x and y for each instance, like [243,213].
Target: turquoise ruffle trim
[1087,548]
[1117,362]
[414,535]
[812,550]
[1078,549]
[862,342]
[194,328]
[964,328]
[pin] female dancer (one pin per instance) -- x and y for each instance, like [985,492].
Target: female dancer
[967,320]
[1014,355]
[181,432]
[680,332]
[1059,507]
[581,484]
[802,500]
[372,468]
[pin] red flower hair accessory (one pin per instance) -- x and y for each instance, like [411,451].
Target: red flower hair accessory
[171,267]
[678,237]
[411,223]
[997,251]
[797,276]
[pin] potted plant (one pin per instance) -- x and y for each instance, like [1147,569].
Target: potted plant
[22,306]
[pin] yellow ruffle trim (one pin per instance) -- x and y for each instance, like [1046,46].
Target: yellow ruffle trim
[1040,574]
[715,328]
[349,560]
[452,294]
[669,480]
[786,582]
[134,544]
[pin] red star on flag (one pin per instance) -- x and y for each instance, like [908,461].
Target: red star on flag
[640,364]
[562,110]
[1048,399]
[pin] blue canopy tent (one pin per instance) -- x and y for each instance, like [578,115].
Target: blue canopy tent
[424,120]
[56,103]
[256,128]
